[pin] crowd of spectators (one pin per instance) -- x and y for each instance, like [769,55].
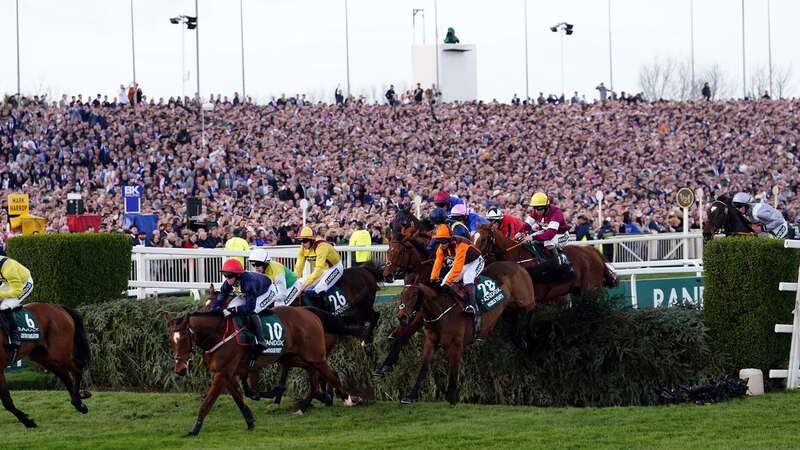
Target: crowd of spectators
[252,164]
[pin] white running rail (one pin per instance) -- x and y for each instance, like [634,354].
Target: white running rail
[792,374]
[156,270]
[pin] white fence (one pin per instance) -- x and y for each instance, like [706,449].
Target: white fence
[156,270]
[792,374]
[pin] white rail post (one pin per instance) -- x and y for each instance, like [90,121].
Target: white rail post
[634,294]
[792,374]
[142,274]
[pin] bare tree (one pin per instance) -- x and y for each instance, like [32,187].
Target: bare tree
[759,82]
[782,80]
[681,87]
[656,78]
[718,82]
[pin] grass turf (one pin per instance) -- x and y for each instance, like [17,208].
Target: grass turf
[148,420]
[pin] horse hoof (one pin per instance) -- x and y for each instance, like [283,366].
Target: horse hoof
[251,425]
[81,408]
[84,394]
[384,370]
[29,423]
[352,401]
[408,400]
[299,412]
[190,434]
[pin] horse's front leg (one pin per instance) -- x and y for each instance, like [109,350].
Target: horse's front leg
[427,355]
[399,339]
[455,350]
[217,383]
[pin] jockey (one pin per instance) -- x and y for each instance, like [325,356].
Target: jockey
[438,216]
[761,213]
[284,280]
[467,265]
[506,223]
[327,263]
[444,200]
[464,222]
[257,290]
[549,227]
[19,284]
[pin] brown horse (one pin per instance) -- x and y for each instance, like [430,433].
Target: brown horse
[447,325]
[306,346]
[359,285]
[591,271]
[334,328]
[407,256]
[63,351]
[722,215]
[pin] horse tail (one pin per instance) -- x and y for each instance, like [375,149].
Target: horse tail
[82,352]
[610,279]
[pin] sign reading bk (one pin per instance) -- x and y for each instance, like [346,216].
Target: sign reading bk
[133,198]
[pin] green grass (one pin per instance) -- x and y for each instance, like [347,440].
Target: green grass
[143,420]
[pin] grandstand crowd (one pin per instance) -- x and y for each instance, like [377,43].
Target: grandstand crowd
[252,164]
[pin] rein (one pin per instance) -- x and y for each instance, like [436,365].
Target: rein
[440,315]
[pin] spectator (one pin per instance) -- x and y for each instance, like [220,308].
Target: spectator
[361,237]
[583,231]
[606,231]
[706,91]
[391,96]
[603,90]
[418,93]
[238,243]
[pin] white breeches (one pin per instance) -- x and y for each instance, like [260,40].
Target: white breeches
[13,302]
[470,271]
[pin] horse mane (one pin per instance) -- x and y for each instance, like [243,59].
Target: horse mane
[375,270]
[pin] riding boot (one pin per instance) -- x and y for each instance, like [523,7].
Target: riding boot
[472,306]
[13,340]
[258,330]
[562,261]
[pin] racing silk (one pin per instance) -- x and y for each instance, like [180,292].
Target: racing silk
[14,275]
[771,218]
[454,201]
[460,229]
[551,223]
[251,285]
[280,275]
[323,255]
[464,253]
[511,225]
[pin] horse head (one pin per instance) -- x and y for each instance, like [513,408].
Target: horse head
[722,215]
[410,304]
[180,341]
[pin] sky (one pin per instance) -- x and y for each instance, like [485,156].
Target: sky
[298,46]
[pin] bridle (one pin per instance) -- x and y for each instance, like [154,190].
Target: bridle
[405,264]
[417,304]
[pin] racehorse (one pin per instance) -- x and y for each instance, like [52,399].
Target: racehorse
[722,215]
[63,351]
[305,346]
[333,329]
[407,256]
[447,325]
[591,271]
[359,285]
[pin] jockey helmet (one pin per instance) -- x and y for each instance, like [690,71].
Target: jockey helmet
[442,234]
[438,216]
[441,197]
[306,233]
[459,210]
[742,199]
[232,267]
[495,214]
[539,199]
[259,255]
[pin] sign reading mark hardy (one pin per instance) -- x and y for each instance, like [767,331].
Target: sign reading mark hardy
[18,204]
